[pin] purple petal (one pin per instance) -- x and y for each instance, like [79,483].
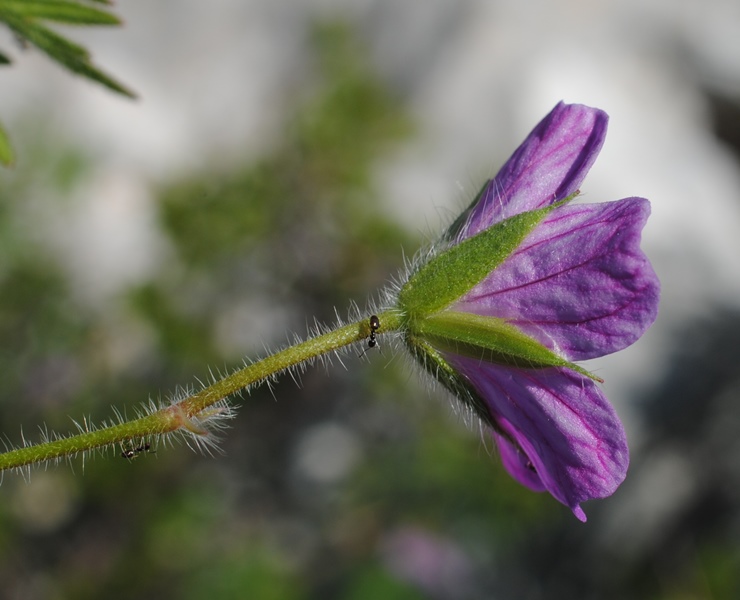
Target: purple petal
[579,283]
[549,166]
[557,430]
[515,461]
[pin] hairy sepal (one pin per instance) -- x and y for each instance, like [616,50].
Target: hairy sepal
[456,270]
[488,339]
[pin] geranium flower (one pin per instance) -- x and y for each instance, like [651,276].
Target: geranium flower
[523,284]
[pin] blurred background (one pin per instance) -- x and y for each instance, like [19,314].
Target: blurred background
[281,159]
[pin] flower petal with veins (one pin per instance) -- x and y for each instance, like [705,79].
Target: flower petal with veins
[549,166]
[555,429]
[579,283]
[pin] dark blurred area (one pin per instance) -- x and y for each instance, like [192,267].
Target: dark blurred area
[359,482]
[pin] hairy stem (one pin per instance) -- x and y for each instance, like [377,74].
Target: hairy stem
[180,416]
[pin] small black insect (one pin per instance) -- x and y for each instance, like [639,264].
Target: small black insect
[374,326]
[132,453]
[371,341]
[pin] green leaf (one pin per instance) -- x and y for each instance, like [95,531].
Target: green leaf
[488,339]
[63,11]
[67,53]
[6,151]
[452,273]
[4,60]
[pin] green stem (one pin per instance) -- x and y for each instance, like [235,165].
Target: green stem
[178,416]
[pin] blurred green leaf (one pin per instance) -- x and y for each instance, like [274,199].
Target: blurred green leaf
[374,582]
[247,570]
[6,151]
[4,60]
[334,139]
[182,337]
[62,11]
[67,53]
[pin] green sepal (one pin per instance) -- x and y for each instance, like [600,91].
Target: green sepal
[455,271]
[488,339]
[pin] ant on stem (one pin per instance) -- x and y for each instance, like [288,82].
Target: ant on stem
[132,453]
[374,326]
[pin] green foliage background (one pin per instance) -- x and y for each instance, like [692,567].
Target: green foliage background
[300,231]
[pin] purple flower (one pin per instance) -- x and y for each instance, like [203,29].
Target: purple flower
[574,285]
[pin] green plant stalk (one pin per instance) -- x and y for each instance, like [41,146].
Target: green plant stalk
[177,416]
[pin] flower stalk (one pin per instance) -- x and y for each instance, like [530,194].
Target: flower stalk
[191,414]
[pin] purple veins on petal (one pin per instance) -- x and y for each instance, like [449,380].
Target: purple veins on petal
[579,283]
[548,166]
[554,428]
